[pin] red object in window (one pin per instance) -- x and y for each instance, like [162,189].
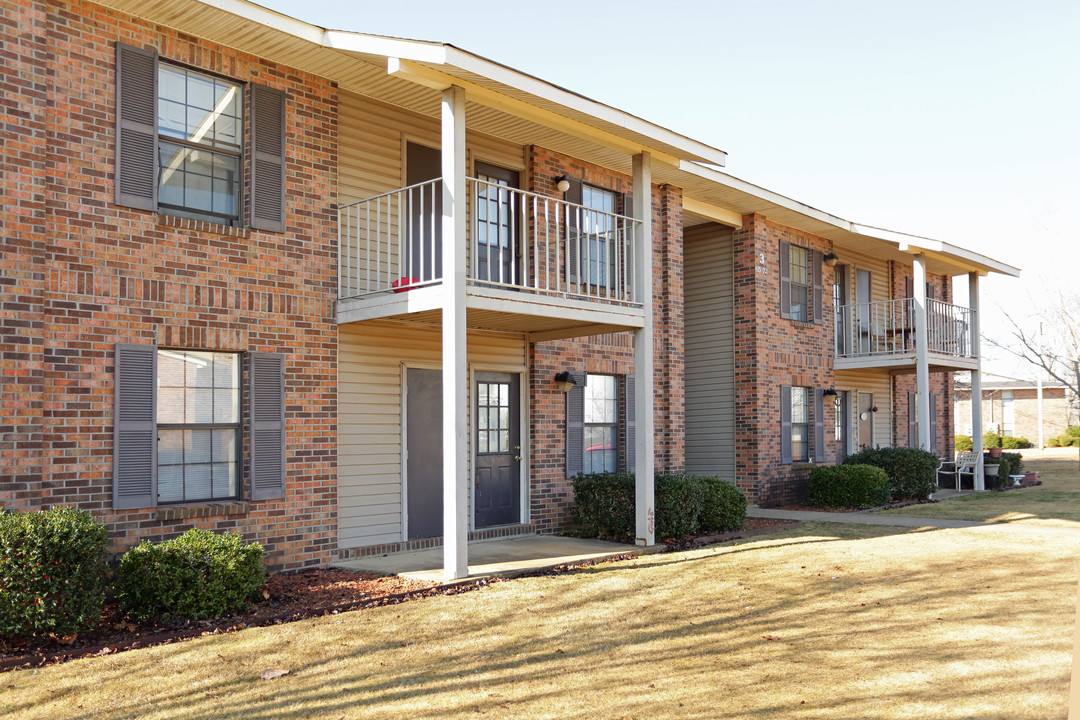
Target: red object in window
[404,284]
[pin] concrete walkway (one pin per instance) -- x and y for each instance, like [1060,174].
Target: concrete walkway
[867,518]
[496,557]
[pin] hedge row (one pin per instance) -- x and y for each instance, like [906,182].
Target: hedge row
[53,574]
[912,472]
[685,504]
[848,486]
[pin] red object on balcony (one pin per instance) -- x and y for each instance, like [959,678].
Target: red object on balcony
[404,284]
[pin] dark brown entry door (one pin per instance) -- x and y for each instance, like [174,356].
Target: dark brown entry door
[424,252]
[423,447]
[498,226]
[497,500]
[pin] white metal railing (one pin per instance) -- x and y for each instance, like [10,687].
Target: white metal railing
[516,239]
[887,327]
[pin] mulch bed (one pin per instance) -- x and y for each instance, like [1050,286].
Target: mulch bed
[288,597]
[887,506]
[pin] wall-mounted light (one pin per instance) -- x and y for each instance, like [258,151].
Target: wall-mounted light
[830,259]
[564,381]
[831,392]
[562,184]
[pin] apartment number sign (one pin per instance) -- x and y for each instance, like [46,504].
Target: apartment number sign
[762,268]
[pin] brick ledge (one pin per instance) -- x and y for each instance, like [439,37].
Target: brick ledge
[201,510]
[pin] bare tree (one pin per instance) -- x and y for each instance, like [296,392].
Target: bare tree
[1051,341]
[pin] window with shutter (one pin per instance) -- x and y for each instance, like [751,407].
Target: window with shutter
[801,286]
[267,397]
[179,143]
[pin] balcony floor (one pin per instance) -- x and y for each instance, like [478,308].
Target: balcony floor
[905,363]
[543,317]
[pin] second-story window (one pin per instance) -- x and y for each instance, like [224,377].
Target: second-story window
[200,128]
[598,234]
[800,283]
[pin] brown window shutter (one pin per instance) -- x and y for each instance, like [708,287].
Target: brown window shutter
[631,424]
[136,170]
[909,287]
[785,424]
[819,425]
[267,159]
[933,423]
[912,420]
[571,219]
[785,283]
[134,426]
[266,374]
[575,426]
[818,300]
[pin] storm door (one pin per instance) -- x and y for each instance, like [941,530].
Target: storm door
[424,452]
[423,260]
[497,500]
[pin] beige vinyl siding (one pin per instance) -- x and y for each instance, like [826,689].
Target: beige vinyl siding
[371,137]
[879,274]
[878,382]
[370,358]
[710,351]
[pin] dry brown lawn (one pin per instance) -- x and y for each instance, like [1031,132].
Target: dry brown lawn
[826,621]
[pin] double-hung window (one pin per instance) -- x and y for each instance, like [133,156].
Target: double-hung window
[181,148]
[601,424]
[801,289]
[200,133]
[802,424]
[598,249]
[178,428]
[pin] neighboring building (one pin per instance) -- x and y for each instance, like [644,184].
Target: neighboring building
[1012,408]
[350,294]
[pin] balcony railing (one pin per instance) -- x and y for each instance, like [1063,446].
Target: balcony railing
[887,327]
[516,239]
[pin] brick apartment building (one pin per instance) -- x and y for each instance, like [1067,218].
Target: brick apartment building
[351,294]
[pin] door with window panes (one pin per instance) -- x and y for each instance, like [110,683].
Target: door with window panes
[497,497]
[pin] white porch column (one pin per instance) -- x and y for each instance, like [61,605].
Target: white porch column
[455,374]
[976,381]
[644,500]
[922,362]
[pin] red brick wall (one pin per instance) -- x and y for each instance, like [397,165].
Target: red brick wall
[90,274]
[607,354]
[771,351]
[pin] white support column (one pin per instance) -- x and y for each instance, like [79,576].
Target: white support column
[922,362]
[645,497]
[976,381]
[1039,400]
[455,375]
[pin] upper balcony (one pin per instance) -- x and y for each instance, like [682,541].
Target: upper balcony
[882,334]
[533,263]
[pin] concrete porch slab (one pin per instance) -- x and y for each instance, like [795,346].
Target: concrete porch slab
[488,558]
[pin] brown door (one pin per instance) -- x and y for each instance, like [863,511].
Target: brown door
[497,500]
[866,419]
[423,448]
[498,226]
[423,262]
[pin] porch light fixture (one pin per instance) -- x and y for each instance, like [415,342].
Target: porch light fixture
[562,185]
[564,381]
[831,392]
[830,259]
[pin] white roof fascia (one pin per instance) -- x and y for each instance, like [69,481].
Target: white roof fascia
[388,47]
[903,241]
[270,18]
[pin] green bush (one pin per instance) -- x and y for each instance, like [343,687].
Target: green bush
[912,472]
[52,573]
[723,508]
[1053,442]
[196,576]
[963,443]
[685,504]
[991,439]
[1014,443]
[604,503]
[1066,440]
[1073,431]
[854,486]
[679,502]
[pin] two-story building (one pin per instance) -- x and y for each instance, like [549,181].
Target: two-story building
[351,294]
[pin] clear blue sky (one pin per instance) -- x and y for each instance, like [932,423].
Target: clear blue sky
[958,120]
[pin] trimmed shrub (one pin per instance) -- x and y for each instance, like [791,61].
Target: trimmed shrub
[855,486]
[1053,442]
[963,443]
[723,508]
[1014,443]
[679,502]
[912,472]
[1073,431]
[1066,440]
[685,504]
[604,503]
[52,573]
[196,576]
[991,439]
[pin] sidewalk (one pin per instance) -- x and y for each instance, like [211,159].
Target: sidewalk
[867,518]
